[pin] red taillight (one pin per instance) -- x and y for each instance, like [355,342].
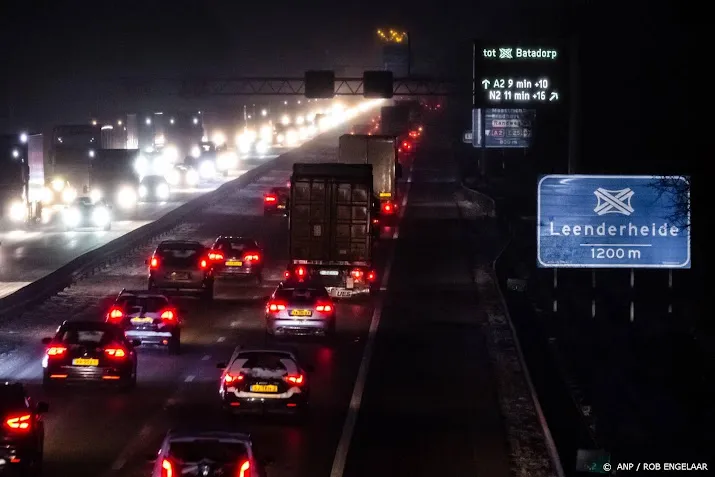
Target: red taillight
[231,378]
[19,422]
[244,470]
[357,274]
[405,144]
[154,263]
[275,306]
[295,379]
[270,198]
[168,315]
[300,272]
[371,276]
[54,351]
[115,314]
[216,256]
[204,263]
[251,257]
[324,307]
[167,470]
[388,208]
[115,352]
[286,274]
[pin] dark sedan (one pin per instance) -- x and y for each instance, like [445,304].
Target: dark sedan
[23,431]
[89,351]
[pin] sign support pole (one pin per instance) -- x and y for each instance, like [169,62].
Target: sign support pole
[670,291]
[593,291]
[574,110]
[556,286]
[633,306]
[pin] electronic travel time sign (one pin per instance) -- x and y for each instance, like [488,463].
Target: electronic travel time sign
[518,76]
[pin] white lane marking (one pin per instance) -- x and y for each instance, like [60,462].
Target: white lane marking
[221,339]
[235,324]
[341,452]
[206,357]
[189,378]
[123,457]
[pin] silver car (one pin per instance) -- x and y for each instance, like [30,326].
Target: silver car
[181,265]
[300,307]
[207,453]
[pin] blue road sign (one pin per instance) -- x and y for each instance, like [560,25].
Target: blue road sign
[613,222]
[508,128]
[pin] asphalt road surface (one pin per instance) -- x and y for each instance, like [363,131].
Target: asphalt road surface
[27,255]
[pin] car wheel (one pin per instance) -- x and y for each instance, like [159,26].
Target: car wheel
[331,330]
[208,293]
[47,383]
[175,345]
[130,383]
[259,278]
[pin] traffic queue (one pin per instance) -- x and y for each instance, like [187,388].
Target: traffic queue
[268,380]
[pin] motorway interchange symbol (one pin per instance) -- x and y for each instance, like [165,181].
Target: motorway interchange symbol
[614,201]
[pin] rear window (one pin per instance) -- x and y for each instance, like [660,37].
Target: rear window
[239,246]
[11,398]
[179,256]
[133,305]
[301,295]
[209,449]
[73,336]
[271,361]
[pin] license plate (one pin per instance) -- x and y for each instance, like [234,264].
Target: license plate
[329,273]
[85,362]
[179,276]
[264,388]
[234,263]
[301,313]
[343,293]
[281,206]
[143,319]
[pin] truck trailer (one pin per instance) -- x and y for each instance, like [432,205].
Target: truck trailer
[330,227]
[20,195]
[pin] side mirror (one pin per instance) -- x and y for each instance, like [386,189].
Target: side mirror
[46,341]
[136,343]
[42,407]
[310,368]
[220,365]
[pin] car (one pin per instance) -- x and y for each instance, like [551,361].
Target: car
[300,306]
[237,258]
[183,176]
[84,212]
[181,265]
[154,189]
[206,453]
[23,431]
[89,351]
[275,201]
[148,317]
[264,380]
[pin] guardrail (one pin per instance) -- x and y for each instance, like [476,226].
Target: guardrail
[489,205]
[58,280]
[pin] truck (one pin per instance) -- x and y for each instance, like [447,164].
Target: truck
[330,223]
[20,195]
[114,178]
[381,153]
[67,156]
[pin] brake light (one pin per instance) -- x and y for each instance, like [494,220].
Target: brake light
[286,274]
[275,306]
[270,198]
[244,469]
[357,274]
[388,208]
[19,423]
[154,263]
[168,315]
[115,314]
[56,351]
[324,307]
[218,256]
[295,379]
[300,271]
[371,276]
[230,378]
[203,264]
[251,257]
[167,470]
[115,352]
[405,144]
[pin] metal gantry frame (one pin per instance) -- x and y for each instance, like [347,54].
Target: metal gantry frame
[259,86]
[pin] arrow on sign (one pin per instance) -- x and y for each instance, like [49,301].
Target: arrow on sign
[554,96]
[485,83]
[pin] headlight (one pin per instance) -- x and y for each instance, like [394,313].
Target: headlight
[100,216]
[266,133]
[171,153]
[126,197]
[72,217]
[95,195]
[244,147]
[141,165]
[48,196]
[18,211]
[143,191]
[292,137]
[227,161]
[261,147]
[207,169]
[69,195]
[195,152]
[173,177]
[58,184]
[192,177]
[162,191]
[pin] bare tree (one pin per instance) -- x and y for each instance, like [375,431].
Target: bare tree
[676,190]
